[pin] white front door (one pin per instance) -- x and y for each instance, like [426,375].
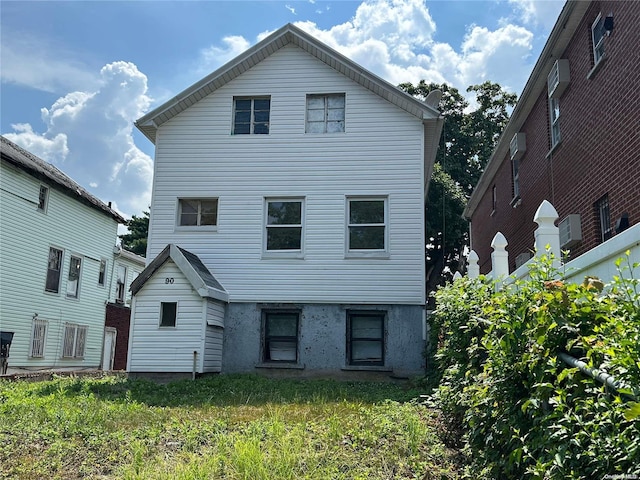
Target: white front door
[109,349]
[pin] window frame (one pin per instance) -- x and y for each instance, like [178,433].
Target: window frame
[162,315]
[198,226]
[55,291]
[554,122]
[102,272]
[368,252]
[327,109]
[121,292]
[292,252]
[603,215]
[43,199]
[252,121]
[598,47]
[38,340]
[268,339]
[74,340]
[76,293]
[382,316]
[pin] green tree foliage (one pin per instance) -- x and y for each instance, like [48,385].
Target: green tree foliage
[468,138]
[136,240]
[519,410]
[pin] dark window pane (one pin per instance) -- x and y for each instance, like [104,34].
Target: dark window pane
[241,129]
[261,117]
[243,117]
[284,213]
[366,238]
[168,314]
[282,324]
[366,351]
[287,238]
[52,283]
[243,105]
[209,212]
[366,211]
[261,128]
[262,104]
[189,212]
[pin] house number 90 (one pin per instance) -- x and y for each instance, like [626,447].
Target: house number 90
[168,280]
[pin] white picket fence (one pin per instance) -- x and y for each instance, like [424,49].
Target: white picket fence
[598,262]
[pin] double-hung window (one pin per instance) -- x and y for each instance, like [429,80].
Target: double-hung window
[597,37]
[75,339]
[121,281]
[43,198]
[280,336]
[325,113]
[54,269]
[73,280]
[102,273]
[251,115]
[38,338]
[365,338]
[283,224]
[367,224]
[554,121]
[604,218]
[197,212]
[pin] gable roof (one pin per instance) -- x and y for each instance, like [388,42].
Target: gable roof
[191,267]
[46,172]
[289,34]
[559,38]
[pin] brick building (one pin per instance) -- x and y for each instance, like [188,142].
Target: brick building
[573,138]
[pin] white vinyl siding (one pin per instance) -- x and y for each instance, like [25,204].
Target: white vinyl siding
[154,348]
[26,237]
[380,154]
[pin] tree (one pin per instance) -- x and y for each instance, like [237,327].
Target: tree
[466,144]
[136,240]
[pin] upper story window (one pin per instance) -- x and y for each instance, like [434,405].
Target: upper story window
[367,224]
[54,268]
[43,198]
[73,281]
[284,225]
[325,113]
[102,273]
[554,121]
[251,115]
[604,218]
[197,212]
[597,37]
[121,280]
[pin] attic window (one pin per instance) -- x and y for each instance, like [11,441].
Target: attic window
[42,198]
[325,113]
[251,115]
[198,212]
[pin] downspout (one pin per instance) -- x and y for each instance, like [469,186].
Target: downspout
[193,373]
[596,374]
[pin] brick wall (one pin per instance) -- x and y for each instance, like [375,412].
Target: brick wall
[118,316]
[600,149]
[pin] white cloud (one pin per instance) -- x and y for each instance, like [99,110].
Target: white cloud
[538,12]
[50,68]
[290,8]
[89,134]
[215,56]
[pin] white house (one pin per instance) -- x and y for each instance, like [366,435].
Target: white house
[56,258]
[296,180]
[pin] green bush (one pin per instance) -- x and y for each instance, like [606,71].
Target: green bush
[519,410]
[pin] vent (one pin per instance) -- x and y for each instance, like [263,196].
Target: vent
[522,259]
[518,145]
[558,78]
[570,231]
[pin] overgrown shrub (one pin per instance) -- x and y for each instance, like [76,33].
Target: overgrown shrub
[520,410]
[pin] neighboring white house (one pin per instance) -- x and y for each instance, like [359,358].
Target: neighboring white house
[297,180]
[56,259]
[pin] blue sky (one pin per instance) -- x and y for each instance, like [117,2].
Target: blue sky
[77,74]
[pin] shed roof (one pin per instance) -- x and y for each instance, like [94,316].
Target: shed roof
[191,267]
[289,34]
[44,171]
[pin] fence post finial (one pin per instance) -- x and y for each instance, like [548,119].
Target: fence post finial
[547,234]
[473,270]
[499,259]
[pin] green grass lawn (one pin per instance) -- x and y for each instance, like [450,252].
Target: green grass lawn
[235,426]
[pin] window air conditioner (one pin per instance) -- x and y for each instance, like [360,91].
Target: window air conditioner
[518,145]
[570,231]
[558,78]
